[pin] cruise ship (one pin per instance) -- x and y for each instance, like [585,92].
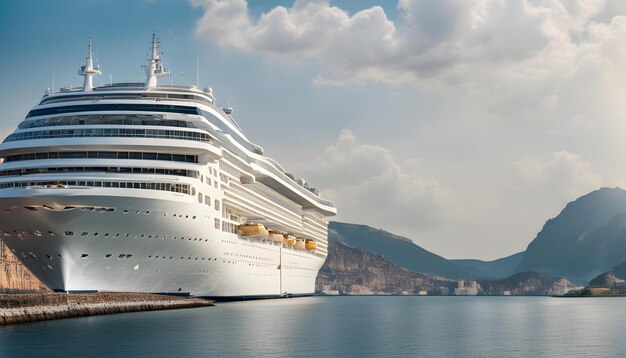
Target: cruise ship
[145,187]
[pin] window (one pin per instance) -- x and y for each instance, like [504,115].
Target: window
[207,200]
[200,198]
[217,204]
[217,224]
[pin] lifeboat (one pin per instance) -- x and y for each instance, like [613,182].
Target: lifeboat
[299,244]
[310,245]
[252,230]
[289,240]
[275,237]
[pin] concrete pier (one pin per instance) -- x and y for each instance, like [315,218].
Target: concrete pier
[20,308]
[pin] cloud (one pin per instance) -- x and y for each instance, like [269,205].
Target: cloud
[369,186]
[447,42]
[562,176]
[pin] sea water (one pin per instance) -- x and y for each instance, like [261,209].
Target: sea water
[364,326]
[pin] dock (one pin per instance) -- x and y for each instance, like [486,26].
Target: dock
[21,308]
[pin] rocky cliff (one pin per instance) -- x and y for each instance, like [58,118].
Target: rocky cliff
[586,239]
[353,271]
[527,284]
[14,277]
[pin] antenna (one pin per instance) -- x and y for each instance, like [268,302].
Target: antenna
[52,81]
[197,71]
[88,70]
[155,69]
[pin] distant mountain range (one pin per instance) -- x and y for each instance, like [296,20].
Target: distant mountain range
[528,284]
[489,269]
[586,239]
[353,271]
[399,250]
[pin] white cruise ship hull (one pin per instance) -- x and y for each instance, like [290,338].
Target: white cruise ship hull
[137,187]
[110,240]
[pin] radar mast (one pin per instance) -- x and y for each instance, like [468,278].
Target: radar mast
[88,71]
[155,69]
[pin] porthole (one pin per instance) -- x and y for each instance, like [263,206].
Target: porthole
[69,233]
[125,211]
[83,256]
[107,234]
[95,234]
[84,233]
[108,255]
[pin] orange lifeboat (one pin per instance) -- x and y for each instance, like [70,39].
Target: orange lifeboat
[310,245]
[252,230]
[289,240]
[299,244]
[275,237]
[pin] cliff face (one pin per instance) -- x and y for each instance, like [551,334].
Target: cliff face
[586,239]
[14,277]
[352,271]
[528,283]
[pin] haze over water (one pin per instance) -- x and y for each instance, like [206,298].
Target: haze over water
[380,326]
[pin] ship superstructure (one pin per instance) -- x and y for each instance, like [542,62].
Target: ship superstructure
[139,187]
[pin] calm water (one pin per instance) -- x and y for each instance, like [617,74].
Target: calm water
[340,326]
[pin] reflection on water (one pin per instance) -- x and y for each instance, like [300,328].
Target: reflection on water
[340,326]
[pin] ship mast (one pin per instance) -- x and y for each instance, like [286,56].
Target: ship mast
[88,71]
[155,69]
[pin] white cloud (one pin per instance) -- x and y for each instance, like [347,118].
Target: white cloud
[561,176]
[515,107]
[476,43]
[369,186]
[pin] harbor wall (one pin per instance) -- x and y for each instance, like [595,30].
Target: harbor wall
[21,308]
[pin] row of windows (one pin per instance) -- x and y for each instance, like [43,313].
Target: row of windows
[110,132]
[103,155]
[97,96]
[54,170]
[109,119]
[145,107]
[177,188]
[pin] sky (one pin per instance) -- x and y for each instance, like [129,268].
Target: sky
[463,125]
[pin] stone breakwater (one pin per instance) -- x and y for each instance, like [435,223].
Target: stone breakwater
[20,308]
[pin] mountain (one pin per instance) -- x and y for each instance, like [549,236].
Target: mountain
[490,269]
[587,238]
[354,271]
[399,250]
[527,284]
[614,279]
